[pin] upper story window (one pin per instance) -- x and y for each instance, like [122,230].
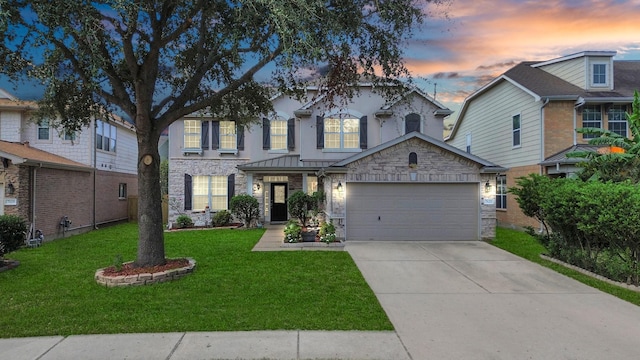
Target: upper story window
[278,134]
[44,130]
[342,133]
[617,120]
[69,136]
[516,128]
[106,135]
[412,123]
[591,118]
[599,74]
[192,134]
[228,139]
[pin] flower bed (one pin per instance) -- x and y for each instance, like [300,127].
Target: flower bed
[129,276]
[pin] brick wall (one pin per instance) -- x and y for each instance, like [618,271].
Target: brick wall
[61,193]
[109,206]
[513,216]
[558,127]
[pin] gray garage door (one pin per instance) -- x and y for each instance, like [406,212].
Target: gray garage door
[412,211]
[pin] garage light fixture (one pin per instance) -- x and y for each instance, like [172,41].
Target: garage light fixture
[10,188]
[339,186]
[487,186]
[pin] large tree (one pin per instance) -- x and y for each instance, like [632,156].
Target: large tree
[157,61]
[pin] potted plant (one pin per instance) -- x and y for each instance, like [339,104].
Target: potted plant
[301,205]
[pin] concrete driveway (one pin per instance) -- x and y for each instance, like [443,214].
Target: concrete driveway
[471,300]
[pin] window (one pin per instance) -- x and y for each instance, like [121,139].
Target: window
[122,191]
[617,120]
[106,136]
[411,123]
[69,136]
[342,133]
[228,135]
[516,126]
[591,118]
[192,134]
[468,143]
[44,130]
[501,192]
[278,134]
[210,191]
[312,184]
[599,77]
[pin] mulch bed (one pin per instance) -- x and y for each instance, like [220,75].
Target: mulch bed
[129,269]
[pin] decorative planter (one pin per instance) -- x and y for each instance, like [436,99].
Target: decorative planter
[309,236]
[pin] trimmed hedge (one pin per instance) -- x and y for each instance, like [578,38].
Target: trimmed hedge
[12,233]
[590,222]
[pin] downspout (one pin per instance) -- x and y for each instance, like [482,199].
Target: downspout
[542,143]
[95,171]
[33,200]
[579,103]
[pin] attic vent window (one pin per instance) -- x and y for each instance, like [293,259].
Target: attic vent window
[413,160]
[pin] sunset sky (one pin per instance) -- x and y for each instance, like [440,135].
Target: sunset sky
[463,44]
[467,43]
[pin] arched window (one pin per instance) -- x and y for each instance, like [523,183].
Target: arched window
[413,160]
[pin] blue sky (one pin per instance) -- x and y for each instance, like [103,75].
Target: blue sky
[463,44]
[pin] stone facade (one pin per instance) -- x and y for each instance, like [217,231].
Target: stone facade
[434,165]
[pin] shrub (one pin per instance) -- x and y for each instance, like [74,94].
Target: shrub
[299,204]
[292,232]
[13,232]
[245,207]
[184,221]
[222,218]
[327,232]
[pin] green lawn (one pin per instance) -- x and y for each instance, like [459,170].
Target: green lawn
[53,291]
[523,245]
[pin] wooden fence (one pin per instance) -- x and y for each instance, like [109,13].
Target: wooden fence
[132,208]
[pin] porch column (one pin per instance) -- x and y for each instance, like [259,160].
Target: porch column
[304,183]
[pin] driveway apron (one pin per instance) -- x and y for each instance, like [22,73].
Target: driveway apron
[471,300]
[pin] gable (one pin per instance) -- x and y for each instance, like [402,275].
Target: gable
[434,163]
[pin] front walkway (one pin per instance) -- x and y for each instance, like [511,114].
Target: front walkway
[273,240]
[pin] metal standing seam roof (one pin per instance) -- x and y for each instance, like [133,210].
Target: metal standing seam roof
[286,163]
[22,153]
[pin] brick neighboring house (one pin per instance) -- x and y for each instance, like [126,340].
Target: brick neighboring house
[526,118]
[46,176]
[385,171]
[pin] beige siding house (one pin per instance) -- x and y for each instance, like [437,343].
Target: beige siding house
[383,167]
[526,118]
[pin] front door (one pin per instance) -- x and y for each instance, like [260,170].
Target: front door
[278,202]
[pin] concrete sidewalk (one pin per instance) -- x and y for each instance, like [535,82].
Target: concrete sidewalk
[286,345]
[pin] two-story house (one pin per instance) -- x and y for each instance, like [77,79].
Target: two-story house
[526,118]
[383,167]
[47,177]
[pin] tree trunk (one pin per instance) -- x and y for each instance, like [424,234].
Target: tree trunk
[150,230]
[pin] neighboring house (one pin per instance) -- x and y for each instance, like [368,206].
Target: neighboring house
[383,167]
[46,176]
[526,118]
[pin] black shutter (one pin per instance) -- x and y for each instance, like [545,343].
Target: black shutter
[231,188]
[411,123]
[363,132]
[215,135]
[266,134]
[188,191]
[319,132]
[204,136]
[291,130]
[240,137]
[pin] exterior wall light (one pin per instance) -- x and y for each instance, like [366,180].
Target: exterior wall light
[10,188]
[339,186]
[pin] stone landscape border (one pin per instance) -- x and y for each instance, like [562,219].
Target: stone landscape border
[592,274]
[144,278]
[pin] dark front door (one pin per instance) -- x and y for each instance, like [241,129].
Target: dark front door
[279,202]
